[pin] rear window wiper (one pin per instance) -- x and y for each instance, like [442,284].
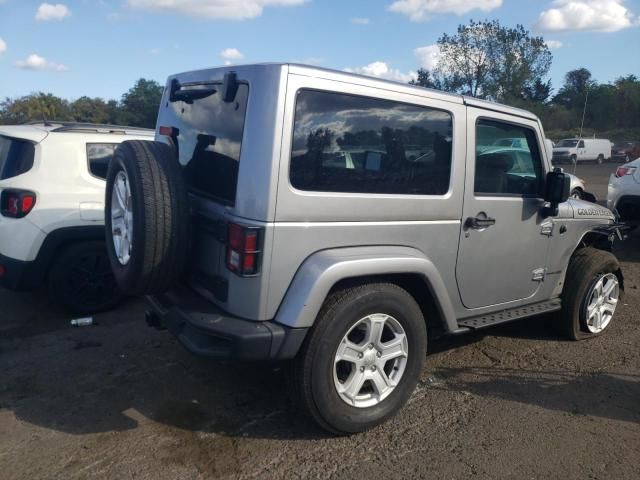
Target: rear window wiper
[188,92]
[185,92]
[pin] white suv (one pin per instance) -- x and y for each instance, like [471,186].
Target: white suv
[52,210]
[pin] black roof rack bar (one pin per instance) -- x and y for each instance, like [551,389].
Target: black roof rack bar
[81,126]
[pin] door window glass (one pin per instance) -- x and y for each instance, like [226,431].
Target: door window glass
[508,160]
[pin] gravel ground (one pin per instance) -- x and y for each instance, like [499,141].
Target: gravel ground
[120,400]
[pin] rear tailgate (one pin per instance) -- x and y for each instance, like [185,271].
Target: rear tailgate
[206,128]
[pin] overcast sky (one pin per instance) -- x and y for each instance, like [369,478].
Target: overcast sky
[100,47]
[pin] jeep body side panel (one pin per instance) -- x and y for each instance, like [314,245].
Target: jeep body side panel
[308,222]
[320,272]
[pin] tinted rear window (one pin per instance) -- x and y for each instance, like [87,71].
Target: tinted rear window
[209,141]
[348,143]
[99,155]
[16,157]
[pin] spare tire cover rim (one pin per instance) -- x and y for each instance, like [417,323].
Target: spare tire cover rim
[122,218]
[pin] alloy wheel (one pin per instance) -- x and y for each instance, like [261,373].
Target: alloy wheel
[122,218]
[602,300]
[370,360]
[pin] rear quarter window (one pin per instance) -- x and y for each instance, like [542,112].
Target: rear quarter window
[99,156]
[354,144]
[16,157]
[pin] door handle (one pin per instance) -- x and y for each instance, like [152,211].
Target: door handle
[480,221]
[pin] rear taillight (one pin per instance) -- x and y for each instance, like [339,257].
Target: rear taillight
[622,171]
[243,249]
[16,203]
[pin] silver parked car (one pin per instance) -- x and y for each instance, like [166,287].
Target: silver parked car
[623,193]
[578,188]
[287,212]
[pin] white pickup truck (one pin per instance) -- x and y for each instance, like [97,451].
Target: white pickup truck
[576,150]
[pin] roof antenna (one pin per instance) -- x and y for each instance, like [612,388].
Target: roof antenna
[44,118]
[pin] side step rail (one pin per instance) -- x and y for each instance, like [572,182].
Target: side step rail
[495,318]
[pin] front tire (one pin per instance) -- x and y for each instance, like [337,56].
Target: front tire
[81,279]
[576,193]
[591,293]
[363,357]
[574,160]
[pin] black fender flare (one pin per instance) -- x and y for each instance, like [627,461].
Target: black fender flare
[56,240]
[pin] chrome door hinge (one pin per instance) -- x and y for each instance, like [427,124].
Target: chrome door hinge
[538,274]
[546,229]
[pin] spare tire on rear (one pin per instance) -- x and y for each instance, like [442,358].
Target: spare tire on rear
[146,217]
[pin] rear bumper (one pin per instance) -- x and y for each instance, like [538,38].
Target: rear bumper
[16,274]
[205,330]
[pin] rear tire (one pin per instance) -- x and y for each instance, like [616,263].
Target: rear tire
[587,267]
[600,159]
[81,279]
[316,368]
[158,217]
[573,160]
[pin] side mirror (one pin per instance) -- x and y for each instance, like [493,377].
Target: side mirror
[557,190]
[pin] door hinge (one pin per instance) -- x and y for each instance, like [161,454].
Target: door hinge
[546,229]
[538,274]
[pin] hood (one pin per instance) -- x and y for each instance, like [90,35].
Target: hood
[586,210]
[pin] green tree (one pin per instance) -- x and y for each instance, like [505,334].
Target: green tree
[139,106]
[487,60]
[538,92]
[426,79]
[92,110]
[37,106]
[627,102]
[574,90]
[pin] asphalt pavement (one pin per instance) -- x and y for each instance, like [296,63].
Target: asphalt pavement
[121,400]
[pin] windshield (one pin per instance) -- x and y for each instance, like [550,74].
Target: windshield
[209,139]
[16,157]
[567,143]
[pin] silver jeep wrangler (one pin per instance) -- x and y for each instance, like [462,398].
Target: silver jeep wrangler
[292,212]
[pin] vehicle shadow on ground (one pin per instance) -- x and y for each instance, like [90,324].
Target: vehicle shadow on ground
[152,381]
[27,314]
[87,381]
[606,395]
[121,375]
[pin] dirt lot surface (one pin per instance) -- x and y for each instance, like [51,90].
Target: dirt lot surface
[120,400]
